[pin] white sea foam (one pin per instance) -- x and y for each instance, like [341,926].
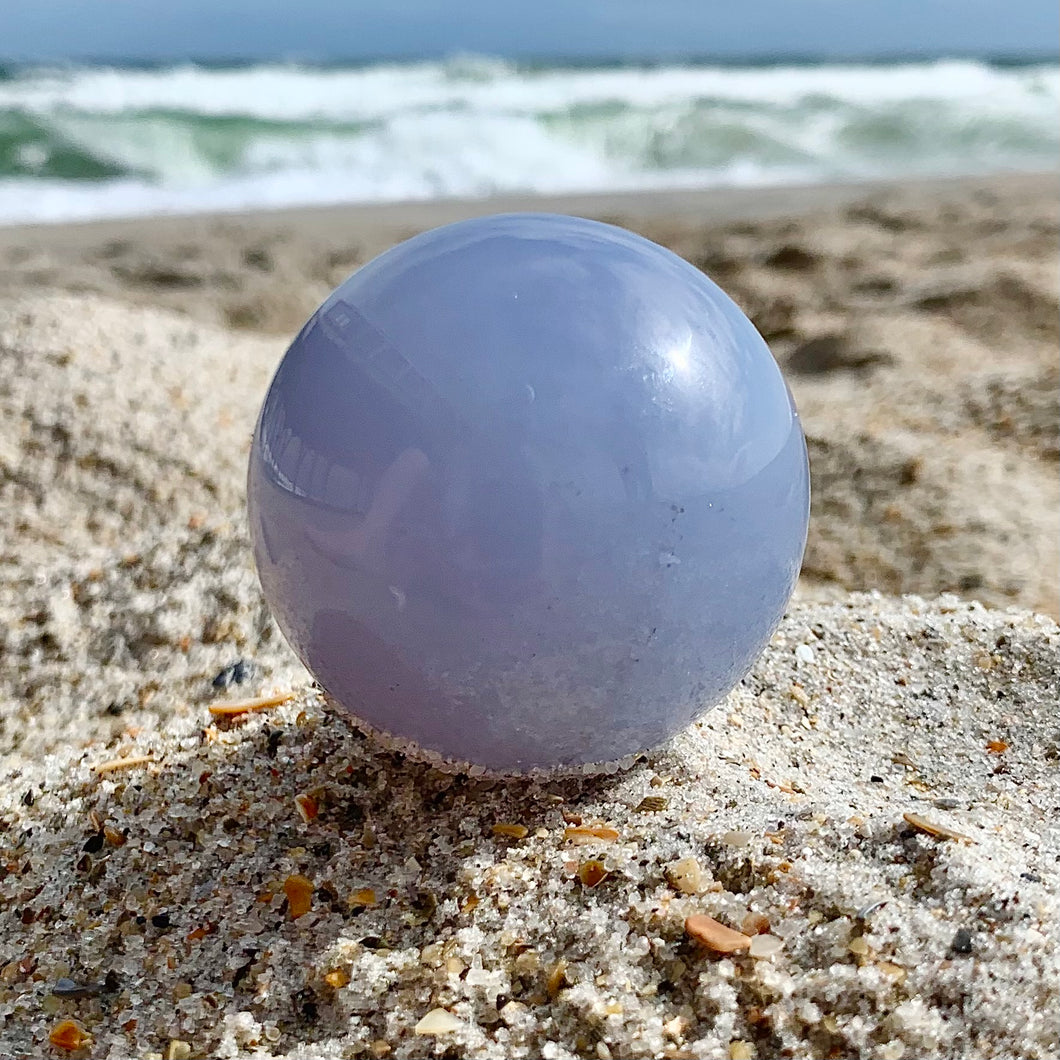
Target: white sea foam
[93,141]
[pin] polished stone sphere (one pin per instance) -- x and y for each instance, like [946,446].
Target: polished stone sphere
[528,491]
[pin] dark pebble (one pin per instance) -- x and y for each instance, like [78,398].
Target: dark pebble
[68,988]
[1032,876]
[94,843]
[160,920]
[876,780]
[962,942]
[235,674]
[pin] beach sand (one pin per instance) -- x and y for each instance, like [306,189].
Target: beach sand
[153,903]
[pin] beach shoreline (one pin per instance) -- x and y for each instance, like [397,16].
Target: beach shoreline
[387,222]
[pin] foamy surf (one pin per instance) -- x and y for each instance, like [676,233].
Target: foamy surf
[91,141]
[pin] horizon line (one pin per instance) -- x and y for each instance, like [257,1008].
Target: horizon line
[542,60]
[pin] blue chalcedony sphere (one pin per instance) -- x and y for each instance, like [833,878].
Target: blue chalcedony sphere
[528,491]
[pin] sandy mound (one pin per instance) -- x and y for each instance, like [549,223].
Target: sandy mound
[167,892]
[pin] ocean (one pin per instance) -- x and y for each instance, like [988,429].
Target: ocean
[88,141]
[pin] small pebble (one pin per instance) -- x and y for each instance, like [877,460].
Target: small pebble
[755,924]
[438,1021]
[763,946]
[962,942]
[893,1050]
[513,1012]
[686,875]
[737,839]
[891,970]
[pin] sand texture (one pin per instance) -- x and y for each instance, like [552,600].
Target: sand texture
[874,809]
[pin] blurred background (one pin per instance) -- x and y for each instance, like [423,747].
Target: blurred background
[132,107]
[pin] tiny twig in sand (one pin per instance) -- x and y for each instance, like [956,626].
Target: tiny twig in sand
[131,762]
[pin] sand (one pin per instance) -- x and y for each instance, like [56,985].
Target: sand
[154,903]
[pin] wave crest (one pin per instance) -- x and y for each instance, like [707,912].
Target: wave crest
[88,141]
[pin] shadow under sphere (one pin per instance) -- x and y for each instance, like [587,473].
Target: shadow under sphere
[528,491]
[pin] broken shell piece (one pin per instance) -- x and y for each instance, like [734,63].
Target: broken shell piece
[299,891]
[70,1035]
[362,899]
[131,762]
[248,706]
[307,807]
[592,872]
[438,1021]
[714,935]
[511,831]
[590,833]
[557,978]
[939,831]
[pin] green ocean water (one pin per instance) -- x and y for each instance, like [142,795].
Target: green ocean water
[86,141]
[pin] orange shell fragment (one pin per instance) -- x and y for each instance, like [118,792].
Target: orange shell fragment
[590,833]
[299,891]
[592,872]
[714,935]
[69,1035]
